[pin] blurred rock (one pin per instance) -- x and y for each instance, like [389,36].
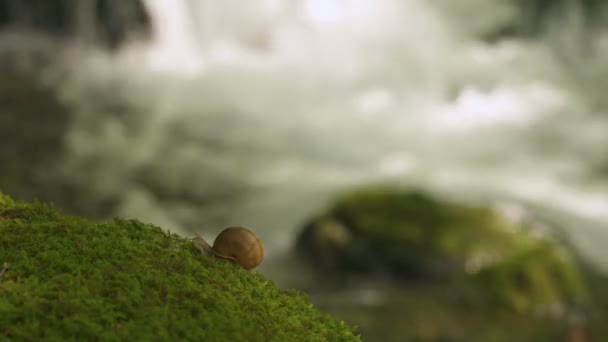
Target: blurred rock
[32,122]
[475,251]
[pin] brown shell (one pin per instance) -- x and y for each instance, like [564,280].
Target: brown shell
[239,244]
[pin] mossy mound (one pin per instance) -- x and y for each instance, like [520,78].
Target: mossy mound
[68,278]
[411,235]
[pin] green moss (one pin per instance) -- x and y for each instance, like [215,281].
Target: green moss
[69,278]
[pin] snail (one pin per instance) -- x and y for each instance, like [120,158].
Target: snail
[236,244]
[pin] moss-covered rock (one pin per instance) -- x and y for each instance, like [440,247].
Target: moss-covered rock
[411,235]
[68,278]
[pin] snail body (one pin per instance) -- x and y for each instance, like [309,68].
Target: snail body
[236,244]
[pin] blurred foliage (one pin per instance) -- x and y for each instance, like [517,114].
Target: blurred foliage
[33,124]
[109,22]
[68,278]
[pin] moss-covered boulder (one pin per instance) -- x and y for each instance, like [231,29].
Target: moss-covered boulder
[67,278]
[410,235]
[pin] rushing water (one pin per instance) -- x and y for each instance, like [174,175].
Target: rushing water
[262,110]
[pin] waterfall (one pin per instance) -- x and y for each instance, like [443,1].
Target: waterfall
[175,44]
[259,112]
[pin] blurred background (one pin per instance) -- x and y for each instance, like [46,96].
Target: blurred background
[194,115]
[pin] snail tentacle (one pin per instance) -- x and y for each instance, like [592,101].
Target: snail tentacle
[202,245]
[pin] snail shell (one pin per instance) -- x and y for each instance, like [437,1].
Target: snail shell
[241,245]
[237,244]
